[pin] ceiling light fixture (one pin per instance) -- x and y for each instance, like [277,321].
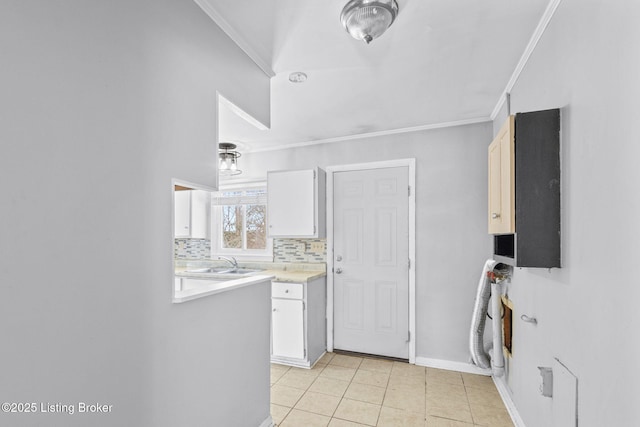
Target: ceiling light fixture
[297,77]
[228,159]
[368,19]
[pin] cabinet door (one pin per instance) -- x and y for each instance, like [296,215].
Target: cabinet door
[291,203]
[199,213]
[287,325]
[182,213]
[191,213]
[502,181]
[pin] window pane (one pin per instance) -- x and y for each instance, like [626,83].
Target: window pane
[256,227]
[232,227]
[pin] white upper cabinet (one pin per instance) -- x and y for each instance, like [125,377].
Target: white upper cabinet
[296,203]
[191,213]
[182,216]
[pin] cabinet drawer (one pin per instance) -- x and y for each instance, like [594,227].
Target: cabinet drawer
[287,290]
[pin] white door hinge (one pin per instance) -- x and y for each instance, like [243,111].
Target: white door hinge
[409,191]
[409,263]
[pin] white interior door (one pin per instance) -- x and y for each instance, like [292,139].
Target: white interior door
[371,261]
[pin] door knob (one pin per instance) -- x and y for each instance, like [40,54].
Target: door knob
[339,258]
[338,270]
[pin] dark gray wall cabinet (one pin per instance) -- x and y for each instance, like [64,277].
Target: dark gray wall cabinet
[536,241]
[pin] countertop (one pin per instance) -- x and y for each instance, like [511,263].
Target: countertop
[281,272]
[210,287]
[297,276]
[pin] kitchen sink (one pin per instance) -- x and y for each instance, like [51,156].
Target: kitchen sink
[224,270]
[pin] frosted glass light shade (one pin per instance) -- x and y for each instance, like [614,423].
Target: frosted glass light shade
[368,19]
[228,159]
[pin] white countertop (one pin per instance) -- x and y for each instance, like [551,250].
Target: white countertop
[211,286]
[193,285]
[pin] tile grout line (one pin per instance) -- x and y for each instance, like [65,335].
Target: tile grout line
[389,375]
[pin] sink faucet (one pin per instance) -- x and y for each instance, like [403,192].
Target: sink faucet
[231,261]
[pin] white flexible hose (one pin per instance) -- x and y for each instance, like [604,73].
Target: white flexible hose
[476,335]
[497,358]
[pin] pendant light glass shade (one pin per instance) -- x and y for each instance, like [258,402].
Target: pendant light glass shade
[368,19]
[228,163]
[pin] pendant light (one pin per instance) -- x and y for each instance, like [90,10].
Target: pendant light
[228,159]
[368,19]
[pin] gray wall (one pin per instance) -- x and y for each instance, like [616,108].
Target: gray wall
[587,63]
[451,226]
[102,103]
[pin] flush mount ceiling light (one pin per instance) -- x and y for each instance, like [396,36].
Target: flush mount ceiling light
[368,19]
[228,159]
[297,77]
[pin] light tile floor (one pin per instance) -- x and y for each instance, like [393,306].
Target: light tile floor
[347,391]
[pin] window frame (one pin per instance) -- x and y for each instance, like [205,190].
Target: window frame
[216,228]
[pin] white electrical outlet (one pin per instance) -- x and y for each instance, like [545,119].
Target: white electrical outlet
[317,246]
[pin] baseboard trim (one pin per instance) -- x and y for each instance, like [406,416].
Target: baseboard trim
[267,423]
[452,366]
[508,402]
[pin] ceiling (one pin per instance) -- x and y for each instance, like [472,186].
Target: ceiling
[441,62]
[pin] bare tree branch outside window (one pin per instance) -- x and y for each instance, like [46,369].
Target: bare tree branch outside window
[232,226]
[256,226]
[244,226]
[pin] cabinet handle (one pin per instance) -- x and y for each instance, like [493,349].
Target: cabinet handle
[286,291]
[274,310]
[495,215]
[338,270]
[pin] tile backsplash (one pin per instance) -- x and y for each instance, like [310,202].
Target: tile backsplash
[299,250]
[192,248]
[284,250]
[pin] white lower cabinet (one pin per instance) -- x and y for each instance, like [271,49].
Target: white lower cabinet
[298,322]
[287,319]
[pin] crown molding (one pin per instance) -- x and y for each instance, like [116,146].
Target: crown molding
[533,42]
[235,37]
[375,134]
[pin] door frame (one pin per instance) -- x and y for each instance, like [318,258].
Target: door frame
[330,170]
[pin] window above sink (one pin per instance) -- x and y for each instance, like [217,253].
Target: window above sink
[239,222]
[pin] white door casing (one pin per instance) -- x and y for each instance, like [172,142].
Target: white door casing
[371,292]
